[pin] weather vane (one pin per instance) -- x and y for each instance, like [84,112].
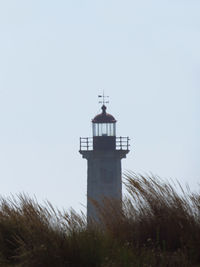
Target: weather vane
[104,99]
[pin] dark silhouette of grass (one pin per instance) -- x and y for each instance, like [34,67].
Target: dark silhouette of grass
[155,226]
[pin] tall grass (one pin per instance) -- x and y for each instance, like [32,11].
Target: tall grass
[157,225]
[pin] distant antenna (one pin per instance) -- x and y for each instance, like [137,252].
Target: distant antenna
[103,99]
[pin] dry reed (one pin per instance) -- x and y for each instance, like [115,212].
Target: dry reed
[157,225]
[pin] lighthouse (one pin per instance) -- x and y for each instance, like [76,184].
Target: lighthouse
[103,152]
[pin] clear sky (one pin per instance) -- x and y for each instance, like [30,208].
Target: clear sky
[57,56]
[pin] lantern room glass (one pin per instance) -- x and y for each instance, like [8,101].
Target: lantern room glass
[104,129]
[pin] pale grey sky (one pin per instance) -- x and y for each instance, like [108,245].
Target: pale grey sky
[57,56]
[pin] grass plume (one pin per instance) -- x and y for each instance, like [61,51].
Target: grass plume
[157,225]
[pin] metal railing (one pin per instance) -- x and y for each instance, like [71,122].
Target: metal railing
[122,143]
[86,143]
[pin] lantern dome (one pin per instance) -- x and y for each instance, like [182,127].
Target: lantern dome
[104,117]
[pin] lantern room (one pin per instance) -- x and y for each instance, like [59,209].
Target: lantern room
[104,131]
[104,124]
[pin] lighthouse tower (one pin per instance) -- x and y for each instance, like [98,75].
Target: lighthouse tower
[104,152]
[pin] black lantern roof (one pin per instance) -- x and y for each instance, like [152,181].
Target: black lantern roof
[104,117]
